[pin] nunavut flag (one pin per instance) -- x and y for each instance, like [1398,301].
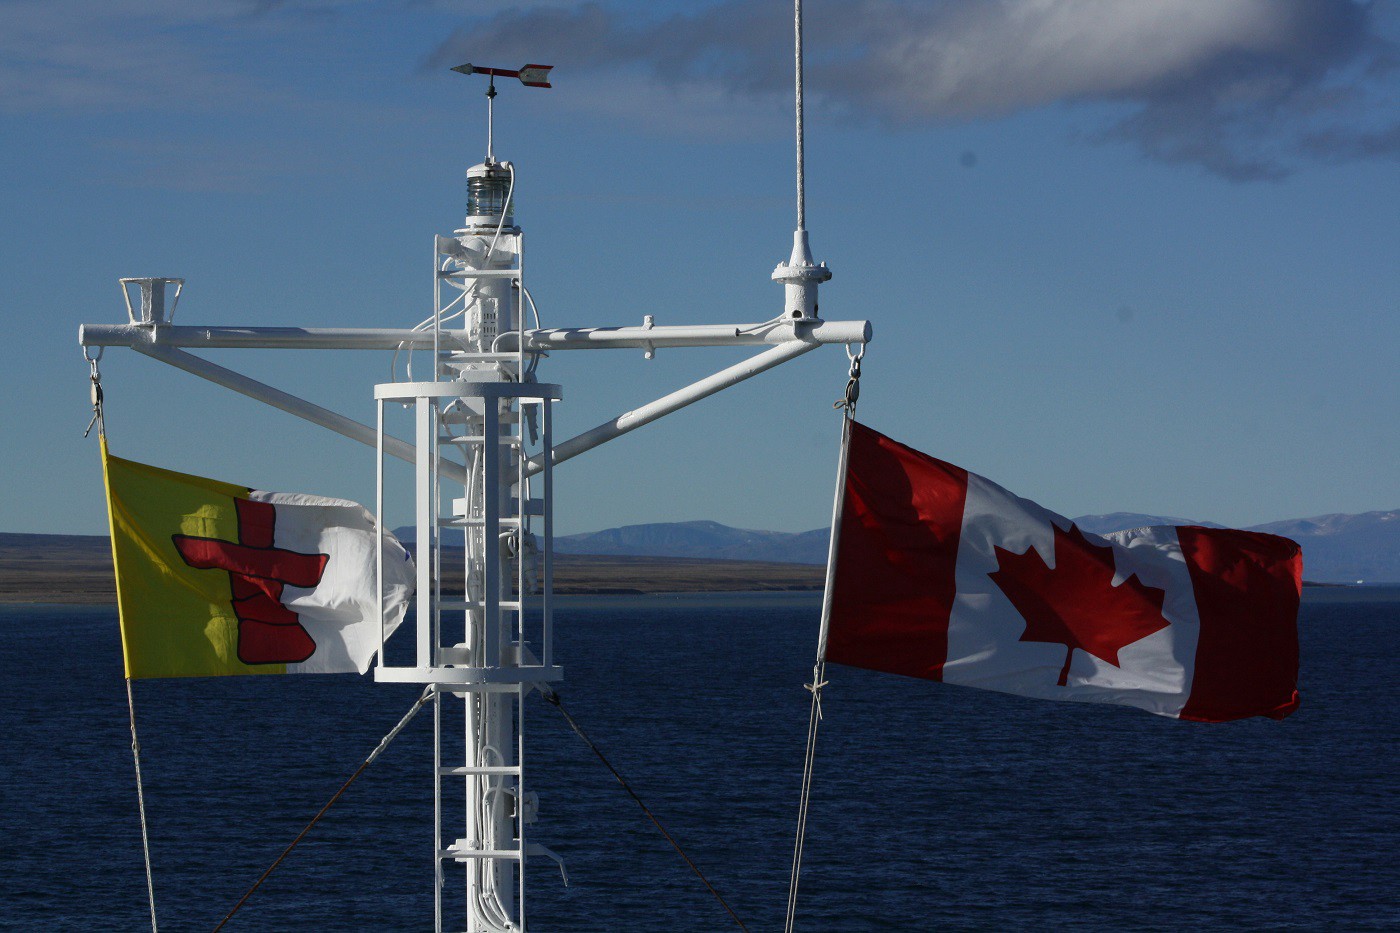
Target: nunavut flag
[220,579]
[944,575]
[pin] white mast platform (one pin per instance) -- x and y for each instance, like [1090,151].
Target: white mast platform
[483,449]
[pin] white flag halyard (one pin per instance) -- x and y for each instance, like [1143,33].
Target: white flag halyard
[945,575]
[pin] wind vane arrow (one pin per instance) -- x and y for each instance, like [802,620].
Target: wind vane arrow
[529,75]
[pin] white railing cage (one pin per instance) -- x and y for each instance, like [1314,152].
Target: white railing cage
[478,437]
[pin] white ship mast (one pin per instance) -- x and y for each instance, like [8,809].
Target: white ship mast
[483,453]
[481,413]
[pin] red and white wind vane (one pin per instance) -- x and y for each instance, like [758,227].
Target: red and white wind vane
[529,75]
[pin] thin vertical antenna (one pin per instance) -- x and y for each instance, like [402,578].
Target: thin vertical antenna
[799,275]
[491,120]
[797,42]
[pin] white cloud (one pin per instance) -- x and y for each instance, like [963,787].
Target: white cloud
[1230,84]
[1001,56]
[1245,88]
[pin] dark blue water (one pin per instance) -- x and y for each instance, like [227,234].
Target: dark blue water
[934,806]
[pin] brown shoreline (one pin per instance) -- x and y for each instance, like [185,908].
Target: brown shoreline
[78,570]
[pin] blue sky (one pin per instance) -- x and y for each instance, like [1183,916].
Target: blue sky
[1118,255]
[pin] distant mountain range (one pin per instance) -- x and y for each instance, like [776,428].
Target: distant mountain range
[700,539]
[1122,521]
[1336,548]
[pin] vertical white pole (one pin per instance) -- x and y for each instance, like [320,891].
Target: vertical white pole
[491,119]
[473,783]
[437,319]
[520,294]
[520,693]
[435,486]
[521,505]
[491,546]
[426,521]
[547,574]
[379,521]
[437,812]
[503,715]
[437,314]
[837,508]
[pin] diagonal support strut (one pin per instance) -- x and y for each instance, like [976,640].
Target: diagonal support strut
[291,404]
[646,414]
[565,450]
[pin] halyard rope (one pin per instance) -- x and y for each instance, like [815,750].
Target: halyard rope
[553,699]
[95,377]
[379,749]
[814,717]
[140,794]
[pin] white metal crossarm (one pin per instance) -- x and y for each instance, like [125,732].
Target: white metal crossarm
[162,343]
[540,339]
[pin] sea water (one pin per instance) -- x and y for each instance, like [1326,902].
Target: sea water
[933,806]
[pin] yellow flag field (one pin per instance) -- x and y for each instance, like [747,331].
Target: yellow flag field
[215,579]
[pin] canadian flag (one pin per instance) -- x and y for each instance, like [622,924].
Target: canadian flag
[945,575]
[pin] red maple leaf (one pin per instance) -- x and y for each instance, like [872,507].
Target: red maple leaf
[1076,603]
